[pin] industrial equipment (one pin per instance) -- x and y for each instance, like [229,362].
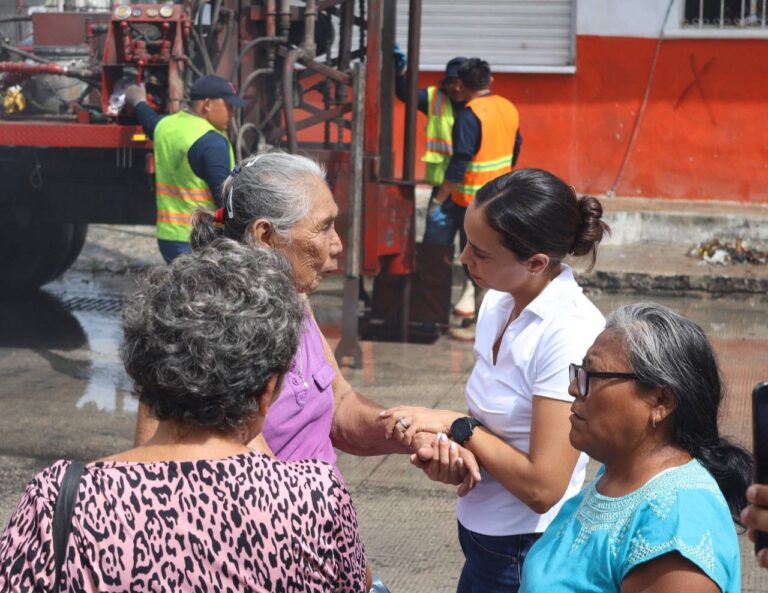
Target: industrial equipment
[318,77]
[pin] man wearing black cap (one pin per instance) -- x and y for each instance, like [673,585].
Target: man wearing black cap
[193,156]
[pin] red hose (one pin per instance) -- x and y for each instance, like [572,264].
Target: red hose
[28,68]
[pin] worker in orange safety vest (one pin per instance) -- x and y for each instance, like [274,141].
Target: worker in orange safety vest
[486,144]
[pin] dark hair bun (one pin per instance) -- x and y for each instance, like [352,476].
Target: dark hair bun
[592,227]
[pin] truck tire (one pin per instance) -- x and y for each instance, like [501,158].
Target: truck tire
[34,254]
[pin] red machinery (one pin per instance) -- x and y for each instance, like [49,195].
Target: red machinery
[318,83]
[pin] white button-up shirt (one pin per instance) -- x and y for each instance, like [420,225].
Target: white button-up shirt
[554,330]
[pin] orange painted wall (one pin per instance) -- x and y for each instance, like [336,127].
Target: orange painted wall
[706,147]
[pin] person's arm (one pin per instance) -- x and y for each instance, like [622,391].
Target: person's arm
[209,159]
[755,516]
[518,147]
[136,97]
[356,428]
[148,119]
[539,478]
[670,573]
[466,134]
[401,92]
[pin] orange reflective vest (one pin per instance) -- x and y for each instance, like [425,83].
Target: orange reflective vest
[499,122]
[178,190]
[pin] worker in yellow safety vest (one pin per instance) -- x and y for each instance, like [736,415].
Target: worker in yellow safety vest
[193,156]
[441,103]
[486,143]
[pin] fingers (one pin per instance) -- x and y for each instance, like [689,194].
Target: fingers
[758,494]
[755,517]
[466,486]
[762,558]
[455,464]
[470,463]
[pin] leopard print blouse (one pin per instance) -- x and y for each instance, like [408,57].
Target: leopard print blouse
[242,523]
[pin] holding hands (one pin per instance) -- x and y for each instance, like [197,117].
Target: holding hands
[425,431]
[403,422]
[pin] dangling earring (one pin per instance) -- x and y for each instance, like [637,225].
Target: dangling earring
[653,421]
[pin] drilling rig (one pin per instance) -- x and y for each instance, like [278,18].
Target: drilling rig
[319,80]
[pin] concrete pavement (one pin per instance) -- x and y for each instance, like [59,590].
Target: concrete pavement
[64,393]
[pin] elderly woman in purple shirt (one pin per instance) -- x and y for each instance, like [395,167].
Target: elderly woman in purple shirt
[283,201]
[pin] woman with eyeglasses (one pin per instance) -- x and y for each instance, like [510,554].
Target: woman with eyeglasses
[659,515]
[533,322]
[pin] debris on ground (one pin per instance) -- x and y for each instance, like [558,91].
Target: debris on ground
[736,252]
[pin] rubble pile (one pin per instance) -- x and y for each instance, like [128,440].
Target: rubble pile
[736,252]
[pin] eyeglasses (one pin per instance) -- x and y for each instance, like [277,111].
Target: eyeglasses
[578,373]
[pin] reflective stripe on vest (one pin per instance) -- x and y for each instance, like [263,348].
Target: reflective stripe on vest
[178,191]
[499,122]
[439,141]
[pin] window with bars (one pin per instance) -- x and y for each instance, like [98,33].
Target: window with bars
[725,14]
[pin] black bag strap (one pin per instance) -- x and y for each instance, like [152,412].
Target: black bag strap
[62,515]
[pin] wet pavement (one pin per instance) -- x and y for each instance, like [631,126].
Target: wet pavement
[64,394]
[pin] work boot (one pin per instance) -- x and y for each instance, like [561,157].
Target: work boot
[466,305]
[463,334]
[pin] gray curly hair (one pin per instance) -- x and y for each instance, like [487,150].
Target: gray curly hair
[204,335]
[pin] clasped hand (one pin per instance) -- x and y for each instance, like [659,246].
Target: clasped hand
[425,430]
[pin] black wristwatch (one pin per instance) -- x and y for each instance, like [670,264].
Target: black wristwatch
[461,429]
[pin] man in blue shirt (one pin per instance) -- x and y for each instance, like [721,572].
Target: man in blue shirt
[208,152]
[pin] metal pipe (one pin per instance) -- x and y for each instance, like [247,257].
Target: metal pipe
[240,153]
[310,18]
[57,69]
[271,25]
[284,19]
[349,346]
[386,91]
[220,54]
[411,106]
[24,54]
[251,78]
[249,46]
[188,61]
[203,50]
[290,116]
[15,19]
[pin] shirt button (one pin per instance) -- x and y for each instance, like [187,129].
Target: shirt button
[295,381]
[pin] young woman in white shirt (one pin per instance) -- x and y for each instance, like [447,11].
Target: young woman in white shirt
[534,321]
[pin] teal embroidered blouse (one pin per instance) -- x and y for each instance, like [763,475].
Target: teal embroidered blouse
[596,540]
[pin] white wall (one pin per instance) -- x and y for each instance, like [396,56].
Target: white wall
[623,18]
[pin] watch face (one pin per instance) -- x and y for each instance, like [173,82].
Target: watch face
[461,430]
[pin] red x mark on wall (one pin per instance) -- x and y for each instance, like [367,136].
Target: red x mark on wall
[696,84]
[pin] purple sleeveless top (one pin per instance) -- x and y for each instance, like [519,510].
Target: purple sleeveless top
[298,424]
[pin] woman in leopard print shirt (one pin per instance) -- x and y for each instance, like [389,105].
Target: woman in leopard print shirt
[194,509]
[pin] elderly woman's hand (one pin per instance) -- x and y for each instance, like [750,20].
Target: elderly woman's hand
[442,460]
[403,422]
[755,516]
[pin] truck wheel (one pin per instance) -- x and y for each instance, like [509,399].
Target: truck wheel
[37,253]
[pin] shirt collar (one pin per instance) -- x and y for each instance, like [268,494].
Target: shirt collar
[560,286]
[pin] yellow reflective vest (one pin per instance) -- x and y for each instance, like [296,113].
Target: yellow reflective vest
[178,190]
[439,139]
[499,122]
